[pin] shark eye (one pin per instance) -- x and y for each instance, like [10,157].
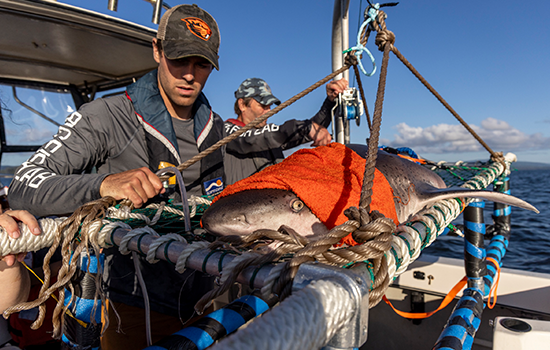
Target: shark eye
[296,205]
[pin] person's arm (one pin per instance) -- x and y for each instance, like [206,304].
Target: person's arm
[16,284]
[291,133]
[324,116]
[56,179]
[14,278]
[52,181]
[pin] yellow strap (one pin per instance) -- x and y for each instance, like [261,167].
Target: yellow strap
[418,315]
[68,312]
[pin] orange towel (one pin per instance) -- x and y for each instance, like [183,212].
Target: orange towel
[327,179]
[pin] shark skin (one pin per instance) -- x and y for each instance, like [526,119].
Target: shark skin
[414,188]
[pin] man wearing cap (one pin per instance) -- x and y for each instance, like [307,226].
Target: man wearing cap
[258,148]
[162,117]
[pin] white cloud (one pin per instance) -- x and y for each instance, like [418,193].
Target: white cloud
[446,138]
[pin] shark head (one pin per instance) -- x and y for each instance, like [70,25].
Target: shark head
[245,212]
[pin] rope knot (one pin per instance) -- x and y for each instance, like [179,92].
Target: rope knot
[371,226]
[498,157]
[350,59]
[358,214]
[383,38]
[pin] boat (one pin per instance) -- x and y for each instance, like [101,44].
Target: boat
[72,74]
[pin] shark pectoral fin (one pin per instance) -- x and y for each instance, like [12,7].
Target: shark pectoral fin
[436,194]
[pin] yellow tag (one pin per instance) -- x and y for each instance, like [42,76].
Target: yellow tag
[162,165]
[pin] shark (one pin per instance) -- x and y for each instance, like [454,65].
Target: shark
[414,188]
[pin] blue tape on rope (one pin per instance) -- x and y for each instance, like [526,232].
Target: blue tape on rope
[67,341]
[467,298]
[503,212]
[475,226]
[476,252]
[255,303]
[456,331]
[229,319]
[477,204]
[497,246]
[93,263]
[84,307]
[199,337]
[468,342]
[465,313]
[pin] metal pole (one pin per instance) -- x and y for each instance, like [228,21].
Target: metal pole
[340,42]
[196,261]
[157,12]
[112,5]
[474,250]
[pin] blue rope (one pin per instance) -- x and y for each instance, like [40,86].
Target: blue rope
[360,48]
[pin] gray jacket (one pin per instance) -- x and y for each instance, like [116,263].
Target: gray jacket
[114,135]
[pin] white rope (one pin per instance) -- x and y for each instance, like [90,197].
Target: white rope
[124,213]
[227,270]
[193,202]
[28,242]
[306,320]
[154,246]
[123,246]
[158,214]
[167,209]
[187,251]
[106,231]
[270,280]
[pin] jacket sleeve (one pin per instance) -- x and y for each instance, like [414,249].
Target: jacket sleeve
[290,134]
[56,179]
[324,116]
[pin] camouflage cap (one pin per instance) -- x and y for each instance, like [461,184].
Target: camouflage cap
[188,30]
[258,90]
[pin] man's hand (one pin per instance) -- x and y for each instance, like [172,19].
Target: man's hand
[137,185]
[319,135]
[336,87]
[8,221]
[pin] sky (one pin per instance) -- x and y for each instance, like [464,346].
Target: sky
[488,59]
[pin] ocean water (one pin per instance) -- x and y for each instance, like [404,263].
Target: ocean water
[529,246]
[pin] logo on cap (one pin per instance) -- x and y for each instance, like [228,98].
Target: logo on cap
[198,27]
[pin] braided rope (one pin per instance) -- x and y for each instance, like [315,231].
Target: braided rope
[308,320]
[106,231]
[123,246]
[153,247]
[186,253]
[158,214]
[27,241]
[125,213]
[422,229]
[273,276]
[193,202]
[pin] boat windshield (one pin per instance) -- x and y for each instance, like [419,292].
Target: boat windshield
[31,115]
